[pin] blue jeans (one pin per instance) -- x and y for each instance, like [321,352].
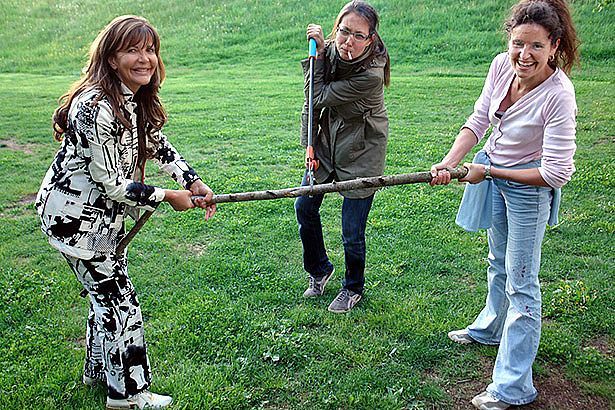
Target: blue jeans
[354,219]
[512,313]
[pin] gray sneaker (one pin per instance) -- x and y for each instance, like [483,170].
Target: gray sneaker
[317,286]
[344,301]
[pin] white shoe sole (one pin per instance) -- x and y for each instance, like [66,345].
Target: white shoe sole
[461,338]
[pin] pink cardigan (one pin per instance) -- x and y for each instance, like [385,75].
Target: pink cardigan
[541,125]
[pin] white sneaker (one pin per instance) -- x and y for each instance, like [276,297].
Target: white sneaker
[143,400]
[460,336]
[485,401]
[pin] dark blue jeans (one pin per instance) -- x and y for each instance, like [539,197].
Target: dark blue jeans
[354,219]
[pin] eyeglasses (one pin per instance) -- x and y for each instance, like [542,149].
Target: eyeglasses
[344,32]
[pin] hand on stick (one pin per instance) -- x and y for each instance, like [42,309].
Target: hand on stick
[315,31]
[201,189]
[440,174]
[476,173]
[179,199]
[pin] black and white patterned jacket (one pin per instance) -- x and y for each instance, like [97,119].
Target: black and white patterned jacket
[94,179]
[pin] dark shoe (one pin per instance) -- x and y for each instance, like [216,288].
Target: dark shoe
[344,301]
[317,286]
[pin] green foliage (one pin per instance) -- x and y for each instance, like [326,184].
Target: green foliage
[225,321]
[593,364]
[569,299]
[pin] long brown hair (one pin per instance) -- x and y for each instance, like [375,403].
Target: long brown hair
[120,34]
[378,49]
[555,17]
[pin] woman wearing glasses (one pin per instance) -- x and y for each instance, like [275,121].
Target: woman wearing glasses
[350,137]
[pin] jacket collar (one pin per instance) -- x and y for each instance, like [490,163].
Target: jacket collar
[127,93]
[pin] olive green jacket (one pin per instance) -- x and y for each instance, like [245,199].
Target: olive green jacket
[350,120]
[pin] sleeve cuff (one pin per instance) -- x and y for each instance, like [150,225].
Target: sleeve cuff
[158,195]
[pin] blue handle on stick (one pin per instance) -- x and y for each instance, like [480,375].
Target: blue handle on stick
[310,149]
[312,47]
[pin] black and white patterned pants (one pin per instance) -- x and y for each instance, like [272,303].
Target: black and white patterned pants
[115,344]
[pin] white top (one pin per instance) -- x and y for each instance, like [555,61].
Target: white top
[94,180]
[540,125]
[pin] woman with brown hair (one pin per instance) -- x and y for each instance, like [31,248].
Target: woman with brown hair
[352,68]
[110,123]
[514,185]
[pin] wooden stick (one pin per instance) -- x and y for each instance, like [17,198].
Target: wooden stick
[359,183]
[133,231]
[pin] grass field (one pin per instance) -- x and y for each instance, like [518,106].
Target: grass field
[225,321]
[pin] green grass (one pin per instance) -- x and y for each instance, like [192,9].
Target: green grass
[225,321]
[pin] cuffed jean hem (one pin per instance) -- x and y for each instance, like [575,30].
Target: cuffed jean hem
[512,402]
[480,340]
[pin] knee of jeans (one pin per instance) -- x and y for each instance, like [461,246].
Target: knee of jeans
[353,235]
[526,301]
[356,243]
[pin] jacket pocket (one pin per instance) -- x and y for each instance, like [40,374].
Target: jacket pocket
[79,225]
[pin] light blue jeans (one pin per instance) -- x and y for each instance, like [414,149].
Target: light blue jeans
[512,313]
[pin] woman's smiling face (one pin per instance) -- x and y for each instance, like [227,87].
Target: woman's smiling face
[136,65]
[529,50]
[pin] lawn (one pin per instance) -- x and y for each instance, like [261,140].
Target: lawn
[226,324]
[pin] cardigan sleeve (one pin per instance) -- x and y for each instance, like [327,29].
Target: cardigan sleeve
[478,122]
[559,146]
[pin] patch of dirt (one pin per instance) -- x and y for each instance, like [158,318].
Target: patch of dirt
[196,249]
[603,345]
[462,391]
[555,391]
[80,341]
[27,200]
[13,146]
